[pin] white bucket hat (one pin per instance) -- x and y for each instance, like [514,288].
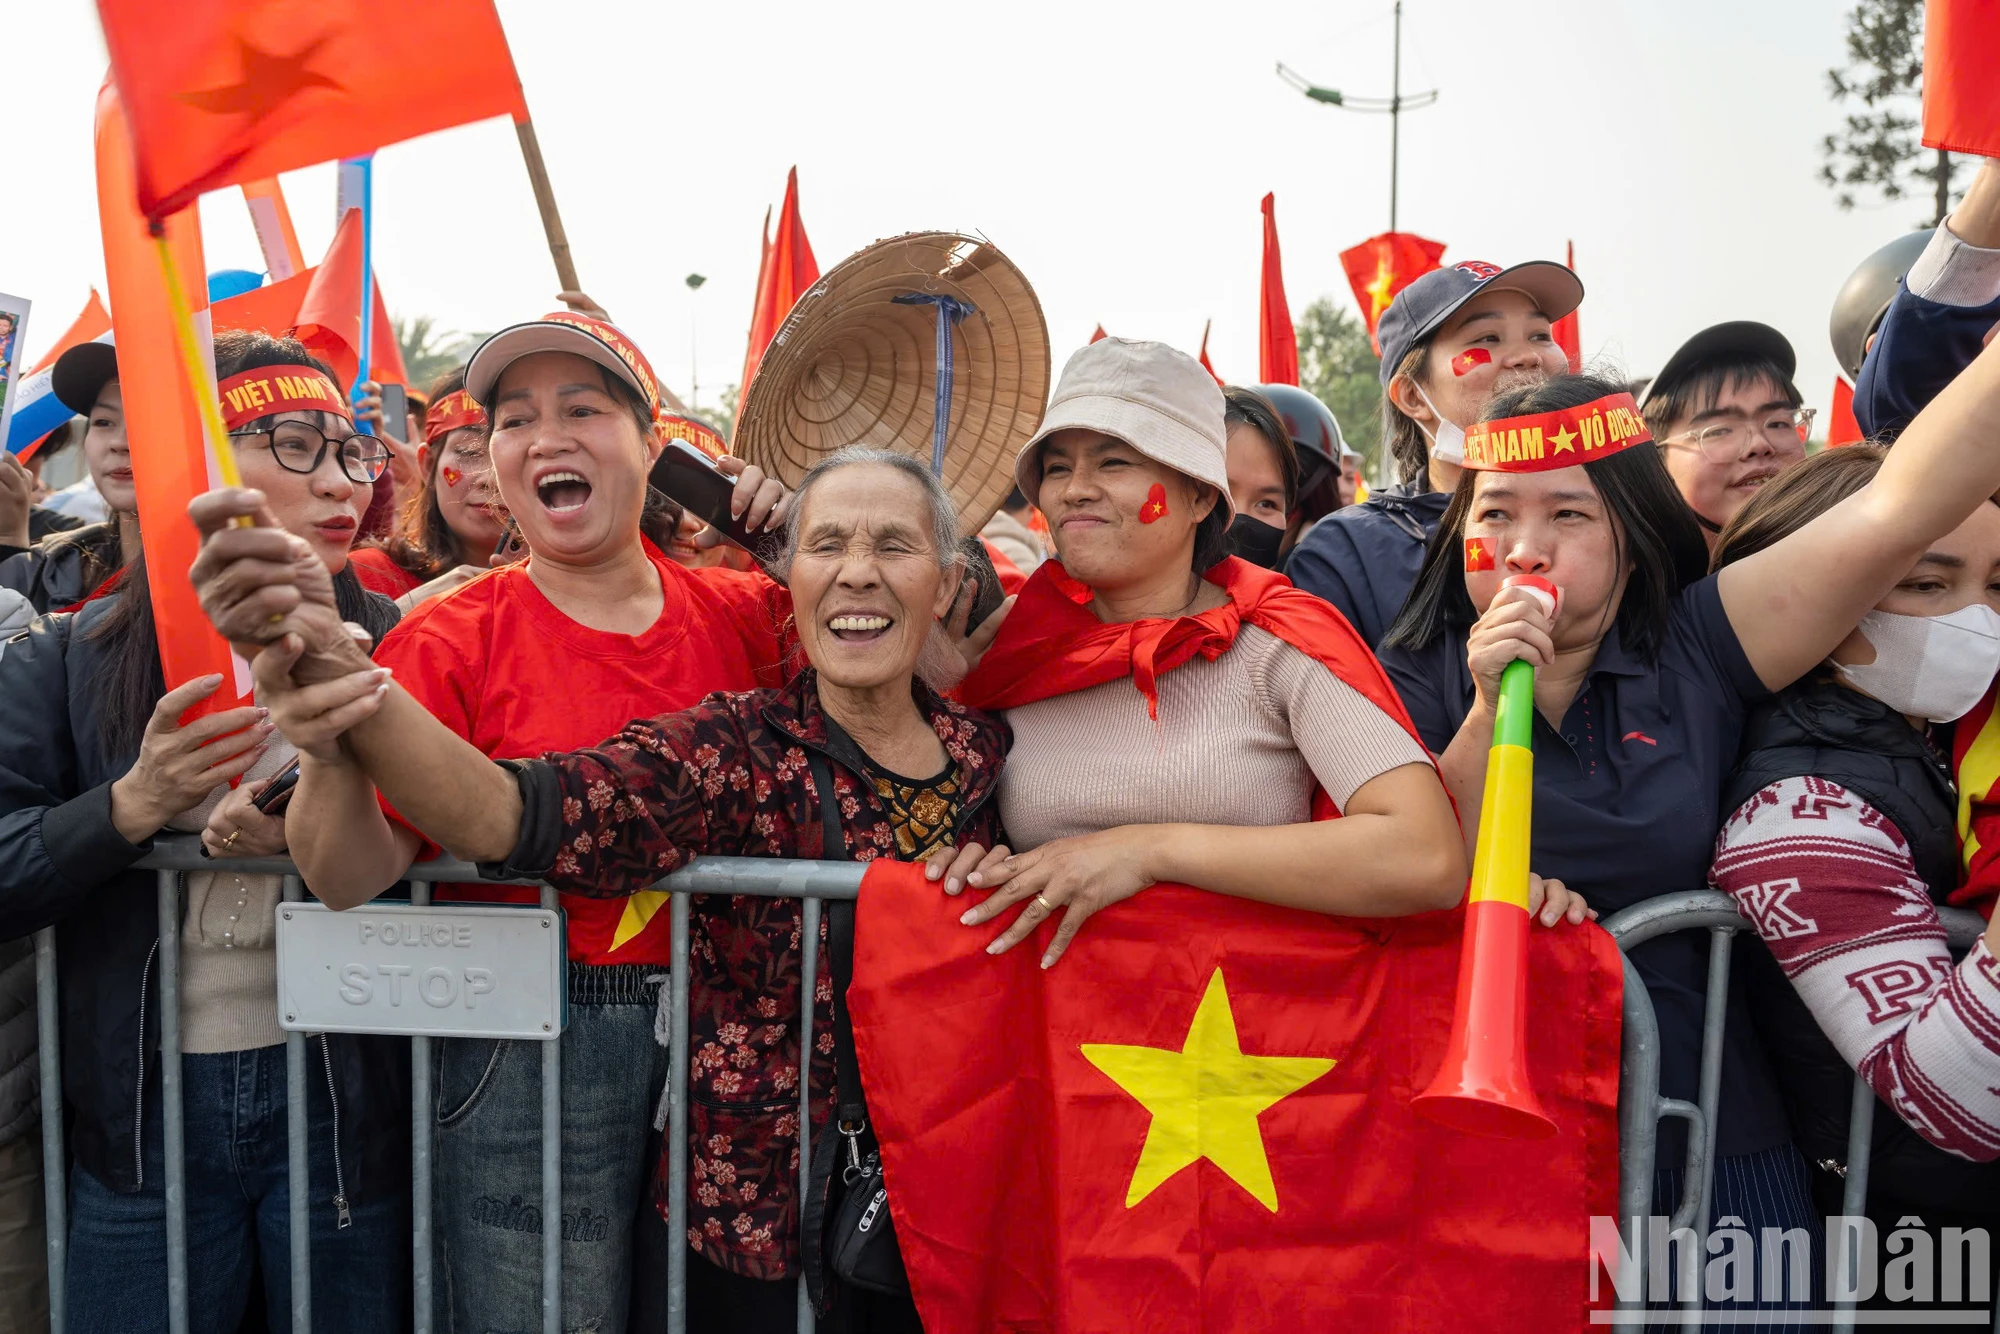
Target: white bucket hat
[1154,398]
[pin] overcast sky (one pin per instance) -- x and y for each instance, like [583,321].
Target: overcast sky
[1117,152]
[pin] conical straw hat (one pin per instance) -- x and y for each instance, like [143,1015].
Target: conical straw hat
[851,366]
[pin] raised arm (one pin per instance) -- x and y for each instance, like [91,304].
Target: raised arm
[1792,602]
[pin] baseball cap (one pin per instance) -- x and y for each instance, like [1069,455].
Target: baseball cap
[81,373]
[1428,302]
[1155,398]
[1735,341]
[561,331]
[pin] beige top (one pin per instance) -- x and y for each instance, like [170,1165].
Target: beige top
[229,942]
[1240,741]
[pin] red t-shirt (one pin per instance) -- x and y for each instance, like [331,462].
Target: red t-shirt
[498,664]
[379,574]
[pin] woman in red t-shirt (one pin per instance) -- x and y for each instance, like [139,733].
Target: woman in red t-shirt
[596,628]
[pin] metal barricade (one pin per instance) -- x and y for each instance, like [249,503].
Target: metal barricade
[1640,1105]
[809,881]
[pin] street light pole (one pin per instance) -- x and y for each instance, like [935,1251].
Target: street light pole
[1395,113]
[1395,104]
[694,282]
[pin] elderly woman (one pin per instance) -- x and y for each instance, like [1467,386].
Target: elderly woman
[856,758]
[1163,696]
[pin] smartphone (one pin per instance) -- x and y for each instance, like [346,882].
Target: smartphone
[981,584]
[396,411]
[510,541]
[692,481]
[277,794]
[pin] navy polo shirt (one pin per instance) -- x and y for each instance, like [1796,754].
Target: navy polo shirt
[1626,807]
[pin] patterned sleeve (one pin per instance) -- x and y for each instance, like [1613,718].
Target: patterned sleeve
[1831,887]
[643,803]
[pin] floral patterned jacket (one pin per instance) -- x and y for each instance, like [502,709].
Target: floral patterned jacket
[731,777]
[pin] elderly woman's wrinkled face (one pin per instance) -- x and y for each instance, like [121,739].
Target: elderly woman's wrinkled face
[866,586]
[1117,517]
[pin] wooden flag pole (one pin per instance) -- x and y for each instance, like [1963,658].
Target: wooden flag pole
[206,403]
[545,199]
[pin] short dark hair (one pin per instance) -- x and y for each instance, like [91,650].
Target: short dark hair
[1702,388]
[1253,409]
[1794,498]
[1655,531]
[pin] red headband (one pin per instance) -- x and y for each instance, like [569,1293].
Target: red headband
[695,433]
[454,410]
[264,390]
[1562,439]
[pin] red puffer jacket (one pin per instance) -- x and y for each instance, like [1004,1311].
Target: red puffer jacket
[730,777]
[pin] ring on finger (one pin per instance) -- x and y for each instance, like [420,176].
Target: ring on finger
[1047,907]
[230,842]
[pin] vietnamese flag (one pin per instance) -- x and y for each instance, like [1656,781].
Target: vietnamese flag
[1961,96]
[1975,765]
[329,319]
[1098,334]
[787,271]
[1841,427]
[1564,330]
[224,91]
[1384,265]
[170,459]
[1199,1122]
[1277,340]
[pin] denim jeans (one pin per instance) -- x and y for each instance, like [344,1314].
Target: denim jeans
[488,1200]
[238,1216]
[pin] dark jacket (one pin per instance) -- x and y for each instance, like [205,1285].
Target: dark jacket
[63,863]
[1364,558]
[20,1074]
[61,571]
[1822,729]
[1920,347]
[731,777]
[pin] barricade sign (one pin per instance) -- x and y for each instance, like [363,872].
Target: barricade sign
[462,970]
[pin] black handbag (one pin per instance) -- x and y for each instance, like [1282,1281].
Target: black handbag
[847,1232]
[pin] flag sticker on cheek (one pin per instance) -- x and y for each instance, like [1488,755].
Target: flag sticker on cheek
[1478,554]
[1470,360]
[451,475]
[1155,507]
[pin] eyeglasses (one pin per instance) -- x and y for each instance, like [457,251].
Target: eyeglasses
[1724,441]
[301,449]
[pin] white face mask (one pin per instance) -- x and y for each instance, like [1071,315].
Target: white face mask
[1934,667]
[1448,445]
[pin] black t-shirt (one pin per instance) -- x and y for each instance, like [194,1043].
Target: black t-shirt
[1627,805]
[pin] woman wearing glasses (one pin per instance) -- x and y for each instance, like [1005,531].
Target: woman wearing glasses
[94,762]
[1727,417]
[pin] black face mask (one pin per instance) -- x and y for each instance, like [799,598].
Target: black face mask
[1255,541]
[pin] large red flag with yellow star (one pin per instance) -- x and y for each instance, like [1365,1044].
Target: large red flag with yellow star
[1199,1121]
[219,92]
[1384,265]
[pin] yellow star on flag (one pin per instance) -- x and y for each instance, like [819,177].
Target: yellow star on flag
[1562,440]
[1205,1099]
[639,910]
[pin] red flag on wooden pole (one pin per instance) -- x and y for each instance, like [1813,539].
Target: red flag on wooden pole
[788,270]
[1564,330]
[224,91]
[1277,341]
[1961,96]
[1384,265]
[170,459]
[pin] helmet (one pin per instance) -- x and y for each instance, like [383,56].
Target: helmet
[1308,422]
[1866,295]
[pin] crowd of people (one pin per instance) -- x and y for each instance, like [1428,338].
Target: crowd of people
[495,639]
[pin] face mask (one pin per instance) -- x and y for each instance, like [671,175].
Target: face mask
[1934,667]
[1448,445]
[1255,541]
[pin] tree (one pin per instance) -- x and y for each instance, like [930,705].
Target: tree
[1338,365]
[723,415]
[1880,147]
[428,351]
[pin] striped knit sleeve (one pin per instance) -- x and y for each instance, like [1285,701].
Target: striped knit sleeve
[1831,887]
